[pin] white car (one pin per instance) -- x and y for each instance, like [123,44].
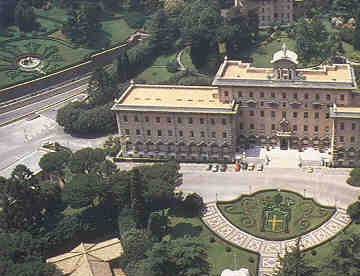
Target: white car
[215,168]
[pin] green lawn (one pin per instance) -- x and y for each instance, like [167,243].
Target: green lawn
[218,257]
[324,251]
[117,30]
[54,13]
[260,215]
[157,72]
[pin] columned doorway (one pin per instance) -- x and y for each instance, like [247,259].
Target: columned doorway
[284,143]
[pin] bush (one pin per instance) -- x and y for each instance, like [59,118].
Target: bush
[354,212]
[212,240]
[126,221]
[135,19]
[192,205]
[354,179]
[251,259]
[228,249]
[172,66]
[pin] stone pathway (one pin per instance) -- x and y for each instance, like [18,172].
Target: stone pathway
[270,250]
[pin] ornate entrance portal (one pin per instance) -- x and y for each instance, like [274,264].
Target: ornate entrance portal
[284,134]
[284,143]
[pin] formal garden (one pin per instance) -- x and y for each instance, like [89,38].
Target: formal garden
[275,215]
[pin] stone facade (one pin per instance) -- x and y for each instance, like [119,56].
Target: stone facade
[280,106]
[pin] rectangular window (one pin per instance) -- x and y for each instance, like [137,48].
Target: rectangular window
[352,139]
[159,132]
[261,103]
[262,113]
[273,114]
[179,120]
[284,95]
[148,132]
[127,131]
[158,119]
[212,121]
[262,95]
[306,96]
[317,97]
[138,132]
[341,138]
[284,114]
[191,133]
[146,119]
[252,113]
[342,97]
[272,95]
[202,134]
[316,115]
[240,94]
[224,121]
[241,126]
[328,97]
[353,126]
[190,120]
[342,126]
[273,127]
[125,118]
[306,115]
[169,120]
[316,128]
[202,121]
[295,114]
[213,134]
[136,119]
[295,95]
[226,93]
[306,128]
[252,126]
[170,133]
[224,135]
[294,127]
[251,94]
[180,133]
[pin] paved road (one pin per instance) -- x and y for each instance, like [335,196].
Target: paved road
[41,102]
[327,186]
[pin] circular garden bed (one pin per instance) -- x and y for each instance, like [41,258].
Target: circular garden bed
[275,215]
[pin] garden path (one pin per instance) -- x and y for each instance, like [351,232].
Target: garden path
[270,250]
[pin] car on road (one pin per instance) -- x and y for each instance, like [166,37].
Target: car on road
[259,167]
[215,168]
[310,170]
[209,167]
[223,168]
[251,167]
[237,166]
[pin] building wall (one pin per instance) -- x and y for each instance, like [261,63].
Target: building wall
[271,11]
[190,136]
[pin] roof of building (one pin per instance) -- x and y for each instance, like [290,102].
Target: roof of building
[345,112]
[237,73]
[285,54]
[167,98]
[89,259]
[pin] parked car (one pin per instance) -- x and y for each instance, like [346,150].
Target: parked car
[310,169]
[223,167]
[251,167]
[209,167]
[215,168]
[237,166]
[259,167]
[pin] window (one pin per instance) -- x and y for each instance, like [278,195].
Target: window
[252,113]
[284,104]
[317,97]
[342,97]
[158,119]
[180,133]
[252,126]
[284,114]
[146,119]
[272,94]
[294,127]
[342,126]
[326,129]
[261,103]
[241,126]
[316,115]
[224,121]
[213,134]
[262,95]
[328,97]
[306,115]
[251,94]
[224,135]
[341,138]
[316,128]
[159,132]
[353,126]
[240,94]
[190,120]
[284,95]
[212,121]
[226,93]
[273,114]
[327,115]
[170,133]
[136,119]
[202,121]
[169,119]
[306,128]
[273,127]
[352,139]
[295,114]
[138,132]
[191,133]
[262,113]
[179,120]
[125,118]
[295,96]
[148,132]
[306,96]
[127,131]
[202,134]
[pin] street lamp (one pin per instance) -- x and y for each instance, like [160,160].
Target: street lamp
[304,192]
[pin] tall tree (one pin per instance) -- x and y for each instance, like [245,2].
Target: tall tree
[294,264]
[86,160]
[25,17]
[137,198]
[122,67]
[7,12]
[101,87]
[356,39]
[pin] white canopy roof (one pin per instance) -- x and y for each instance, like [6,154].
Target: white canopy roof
[285,53]
[241,272]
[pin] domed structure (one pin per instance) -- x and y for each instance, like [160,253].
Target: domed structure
[241,272]
[284,64]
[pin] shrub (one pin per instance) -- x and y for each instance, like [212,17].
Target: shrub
[172,66]
[251,259]
[192,205]
[212,240]
[354,212]
[228,249]
[126,221]
[313,252]
[354,179]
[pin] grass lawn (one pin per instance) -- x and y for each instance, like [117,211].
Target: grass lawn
[54,13]
[117,30]
[218,257]
[187,61]
[261,215]
[157,72]
[324,251]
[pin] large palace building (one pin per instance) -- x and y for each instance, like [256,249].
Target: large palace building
[282,106]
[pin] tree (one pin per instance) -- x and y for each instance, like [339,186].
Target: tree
[7,12]
[122,67]
[86,160]
[136,242]
[354,211]
[356,39]
[54,162]
[345,259]
[157,225]
[68,115]
[81,191]
[101,87]
[354,179]
[137,199]
[295,264]
[25,17]
[181,257]
[193,205]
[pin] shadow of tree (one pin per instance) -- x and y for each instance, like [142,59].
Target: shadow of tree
[185,229]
